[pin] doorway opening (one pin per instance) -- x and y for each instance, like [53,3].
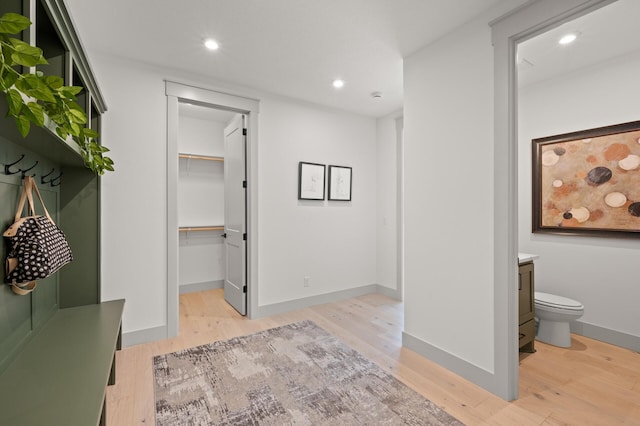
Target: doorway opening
[525,23]
[210,192]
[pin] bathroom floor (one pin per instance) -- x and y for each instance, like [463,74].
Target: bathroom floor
[590,383]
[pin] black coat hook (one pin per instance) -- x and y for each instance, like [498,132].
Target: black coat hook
[58,178]
[7,170]
[42,181]
[26,170]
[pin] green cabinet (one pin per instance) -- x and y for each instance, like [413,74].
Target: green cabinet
[73,199]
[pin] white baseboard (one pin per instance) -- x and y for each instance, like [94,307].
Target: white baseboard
[305,302]
[614,337]
[393,293]
[462,368]
[193,287]
[146,335]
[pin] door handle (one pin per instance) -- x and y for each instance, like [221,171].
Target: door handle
[224,235]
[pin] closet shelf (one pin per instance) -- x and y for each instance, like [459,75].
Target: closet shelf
[201,228]
[200,157]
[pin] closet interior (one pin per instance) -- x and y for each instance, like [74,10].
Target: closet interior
[201,250]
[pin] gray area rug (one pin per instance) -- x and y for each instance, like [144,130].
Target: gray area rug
[297,374]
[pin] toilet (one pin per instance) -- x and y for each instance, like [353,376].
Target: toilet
[554,314]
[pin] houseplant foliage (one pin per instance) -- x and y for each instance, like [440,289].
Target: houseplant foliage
[36,98]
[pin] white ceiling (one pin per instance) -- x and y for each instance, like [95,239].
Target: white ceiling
[605,34]
[294,48]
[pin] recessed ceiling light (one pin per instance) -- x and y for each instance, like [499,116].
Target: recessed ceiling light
[338,84]
[211,44]
[568,38]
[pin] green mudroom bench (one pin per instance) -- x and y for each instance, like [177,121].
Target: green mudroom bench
[60,376]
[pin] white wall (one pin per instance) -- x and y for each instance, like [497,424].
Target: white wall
[134,210]
[331,242]
[387,203]
[200,183]
[200,136]
[448,146]
[602,273]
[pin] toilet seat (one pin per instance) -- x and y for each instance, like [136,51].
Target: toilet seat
[557,302]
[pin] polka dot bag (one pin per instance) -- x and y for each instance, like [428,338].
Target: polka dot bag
[37,247]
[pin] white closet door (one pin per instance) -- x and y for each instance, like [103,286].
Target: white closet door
[235,291]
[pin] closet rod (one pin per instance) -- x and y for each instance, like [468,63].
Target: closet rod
[200,228]
[200,157]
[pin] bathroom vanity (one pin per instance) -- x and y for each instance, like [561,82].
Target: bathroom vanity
[526,302]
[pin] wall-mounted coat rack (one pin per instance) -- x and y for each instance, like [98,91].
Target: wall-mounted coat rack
[23,171]
[54,181]
[7,167]
[42,181]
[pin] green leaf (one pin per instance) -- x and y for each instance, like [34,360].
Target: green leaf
[33,85]
[74,129]
[28,113]
[8,78]
[54,82]
[90,133]
[62,133]
[36,113]
[71,91]
[77,116]
[12,23]
[26,55]
[23,125]
[14,99]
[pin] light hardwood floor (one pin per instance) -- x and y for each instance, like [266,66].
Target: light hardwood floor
[592,383]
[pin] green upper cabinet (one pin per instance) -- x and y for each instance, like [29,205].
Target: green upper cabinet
[53,49]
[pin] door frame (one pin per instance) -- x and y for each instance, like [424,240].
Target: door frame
[177,92]
[531,19]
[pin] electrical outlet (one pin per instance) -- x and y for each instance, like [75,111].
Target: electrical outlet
[307,281]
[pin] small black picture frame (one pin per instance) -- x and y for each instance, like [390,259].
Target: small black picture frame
[340,183]
[311,177]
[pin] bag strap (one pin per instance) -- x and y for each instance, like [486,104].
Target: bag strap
[23,289]
[35,187]
[26,194]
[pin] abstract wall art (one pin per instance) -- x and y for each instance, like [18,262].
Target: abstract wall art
[588,182]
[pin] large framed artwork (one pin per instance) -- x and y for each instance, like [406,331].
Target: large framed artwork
[311,181]
[588,182]
[339,183]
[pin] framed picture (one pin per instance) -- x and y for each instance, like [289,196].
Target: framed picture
[339,183]
[310,181]
[588,182]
